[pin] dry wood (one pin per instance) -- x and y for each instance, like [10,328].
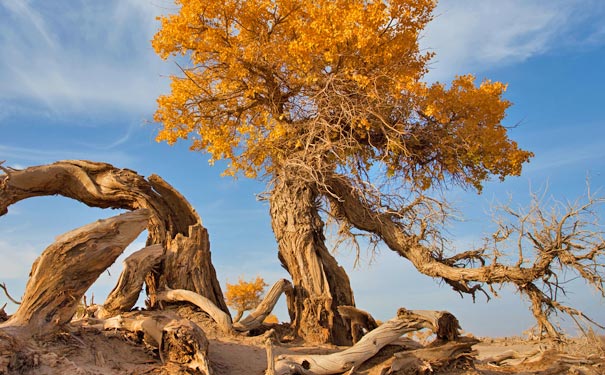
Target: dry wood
[258,315]
[568,237]
[3,286]
[188,261]
[181,343]
[180,295]
[128,288]
[358,320]
[184,344]
[67,268]
[270,360]
[367,347]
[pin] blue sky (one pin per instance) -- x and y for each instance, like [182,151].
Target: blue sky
[79,79]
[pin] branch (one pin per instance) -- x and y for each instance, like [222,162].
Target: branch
[3,286]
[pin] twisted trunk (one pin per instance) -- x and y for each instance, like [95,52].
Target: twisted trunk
[320,284]
[173,223]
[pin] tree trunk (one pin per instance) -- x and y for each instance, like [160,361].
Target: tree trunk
[320,284]
[67,268]
[174,224]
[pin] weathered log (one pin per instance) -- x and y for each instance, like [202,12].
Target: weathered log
[188,261]
[433,358]
[184,344]
[128,288]
[180,295]
[367,347]
[258,315]
[67,268]
[181,343]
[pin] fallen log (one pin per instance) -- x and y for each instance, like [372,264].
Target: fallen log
[67,268]
[368,345]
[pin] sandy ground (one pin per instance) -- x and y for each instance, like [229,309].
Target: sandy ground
[89,351]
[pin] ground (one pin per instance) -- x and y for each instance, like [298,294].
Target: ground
[81,349]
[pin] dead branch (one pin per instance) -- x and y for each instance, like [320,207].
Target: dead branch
[67,268]
[3,286]
[255,318]
[180,295]
[128,288]
[173,223]
[566,238]
[369,345]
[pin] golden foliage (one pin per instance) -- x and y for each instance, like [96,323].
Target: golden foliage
[333,83]
[271,319]
[245,295]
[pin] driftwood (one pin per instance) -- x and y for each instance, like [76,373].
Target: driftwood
[173,223]
[258,315]
[369,345]
[180,295]
[443,356]
[67,268]
[128,288]
[250,322]
[181,343]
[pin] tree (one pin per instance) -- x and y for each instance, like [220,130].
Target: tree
[327,100]
[245,295]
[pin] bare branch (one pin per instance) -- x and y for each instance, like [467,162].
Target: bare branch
[3,286]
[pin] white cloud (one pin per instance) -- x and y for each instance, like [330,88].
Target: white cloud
[81,56]
[23,155]
[472,36]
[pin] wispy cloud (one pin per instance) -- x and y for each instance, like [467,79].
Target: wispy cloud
[472,36]
[80,56]
[23,155]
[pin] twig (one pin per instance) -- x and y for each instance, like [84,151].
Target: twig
[3,286]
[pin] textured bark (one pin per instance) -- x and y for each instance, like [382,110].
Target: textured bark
[173,223]
[128,288]
[182,345]
[67,268]
[320,284]
[181,295]
[368,346]
[442,357]
[358,321]
[258,315]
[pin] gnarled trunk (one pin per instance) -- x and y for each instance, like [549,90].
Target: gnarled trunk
[173,223]
[320,284]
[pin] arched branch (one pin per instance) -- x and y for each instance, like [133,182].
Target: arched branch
[567,237]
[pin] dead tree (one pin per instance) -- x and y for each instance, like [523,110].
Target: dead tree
[67,268]
[173,224]
[547,244]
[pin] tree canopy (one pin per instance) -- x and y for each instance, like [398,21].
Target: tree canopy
[331,85]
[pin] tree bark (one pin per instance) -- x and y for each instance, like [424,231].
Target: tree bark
[320,284]
[368,346]
[128,288]
[174,224]
[67,268]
